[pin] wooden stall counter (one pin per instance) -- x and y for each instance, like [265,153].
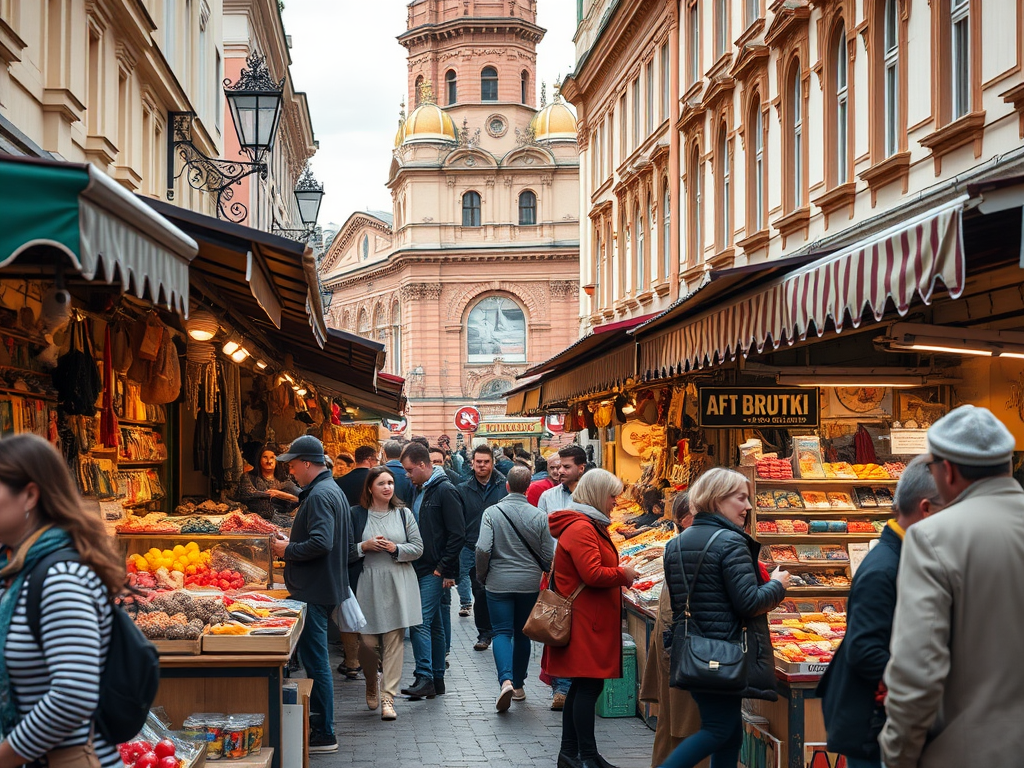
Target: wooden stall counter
[796,718]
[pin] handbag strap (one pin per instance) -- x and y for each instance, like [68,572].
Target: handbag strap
[682,571]
[521,537]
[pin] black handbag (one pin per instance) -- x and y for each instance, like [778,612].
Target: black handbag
[698,663]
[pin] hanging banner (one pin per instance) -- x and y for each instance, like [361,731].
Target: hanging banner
[759,407]
[510,427]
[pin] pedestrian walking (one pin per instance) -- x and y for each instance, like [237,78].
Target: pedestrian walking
[483,489]
[355,479]
[392,460]
[437,458]
[512,553]
[572,463]
[316,572]
[585,556]
[956,691]
[386,541]
[729,597]
[546,480]
[438,511]
[675,708]
[851,691]
[51,689]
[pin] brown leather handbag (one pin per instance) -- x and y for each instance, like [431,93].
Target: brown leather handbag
[550,620]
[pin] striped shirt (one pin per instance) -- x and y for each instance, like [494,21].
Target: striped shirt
[57,687]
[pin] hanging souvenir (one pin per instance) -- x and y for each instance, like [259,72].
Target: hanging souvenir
[76,377]
[164,383]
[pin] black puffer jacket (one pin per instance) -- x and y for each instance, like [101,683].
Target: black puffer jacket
[731,593]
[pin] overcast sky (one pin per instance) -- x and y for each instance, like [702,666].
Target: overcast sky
[347,60]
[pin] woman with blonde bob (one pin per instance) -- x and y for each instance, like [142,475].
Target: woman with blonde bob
[586,559]
[731,596]
[51,686]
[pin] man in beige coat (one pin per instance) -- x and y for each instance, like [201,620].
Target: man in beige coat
[955,679]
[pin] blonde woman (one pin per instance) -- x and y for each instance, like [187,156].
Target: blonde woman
[731,593]
[586,556]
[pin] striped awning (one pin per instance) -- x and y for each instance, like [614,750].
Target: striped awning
[596,376]
[897,265]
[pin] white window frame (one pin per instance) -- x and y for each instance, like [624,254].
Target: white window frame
[693,33]
[797,127]
[666,231]
[891,77]
[641,224]
[726,169]
[842,109]
[758,169]
[665,81]
[721,28]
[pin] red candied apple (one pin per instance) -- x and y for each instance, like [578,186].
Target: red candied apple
[168,762]
[164,748]
[148,760]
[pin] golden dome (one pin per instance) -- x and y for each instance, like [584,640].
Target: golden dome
[428,122]
[555,122]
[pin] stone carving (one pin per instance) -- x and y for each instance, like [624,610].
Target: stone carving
[565,289]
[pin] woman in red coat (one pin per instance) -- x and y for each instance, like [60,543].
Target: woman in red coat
[585,555]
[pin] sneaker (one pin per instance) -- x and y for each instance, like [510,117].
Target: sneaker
[387,709]
[465,610]
[504,698]
[557,702]
[482,644]
[321,743]
[518,694]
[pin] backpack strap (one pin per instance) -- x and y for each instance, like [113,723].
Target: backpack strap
[33,604]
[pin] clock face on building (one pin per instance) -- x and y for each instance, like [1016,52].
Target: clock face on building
[496,126]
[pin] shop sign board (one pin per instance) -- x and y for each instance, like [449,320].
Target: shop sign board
[511,428]
[467,419]
[555,422]
[396,426]
[747,407]
[908,442]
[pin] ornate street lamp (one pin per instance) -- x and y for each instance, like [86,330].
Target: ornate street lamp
[255,102]
[308,194]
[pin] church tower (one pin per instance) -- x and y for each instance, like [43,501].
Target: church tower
[473,51]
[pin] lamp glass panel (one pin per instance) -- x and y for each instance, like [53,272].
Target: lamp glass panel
[309,204]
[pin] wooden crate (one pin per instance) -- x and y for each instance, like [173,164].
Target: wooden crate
[179,647]
[265,644]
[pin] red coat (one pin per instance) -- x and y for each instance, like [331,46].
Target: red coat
[585,553]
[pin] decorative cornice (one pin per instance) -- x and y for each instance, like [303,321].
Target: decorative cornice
[788,18]
[341,241]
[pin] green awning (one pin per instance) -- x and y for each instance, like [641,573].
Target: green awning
[95,221]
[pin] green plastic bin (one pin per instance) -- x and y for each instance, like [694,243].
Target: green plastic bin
[618,699]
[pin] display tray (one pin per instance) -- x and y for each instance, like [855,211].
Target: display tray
[255,643]
[770,537]
[800,667]
[179,647]
[844,481]
[823,513]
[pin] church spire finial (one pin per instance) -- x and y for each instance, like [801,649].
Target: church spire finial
[557,98]
[543,94]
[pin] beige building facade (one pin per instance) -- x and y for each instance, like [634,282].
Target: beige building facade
[731,132]
[472,277]
[95,81]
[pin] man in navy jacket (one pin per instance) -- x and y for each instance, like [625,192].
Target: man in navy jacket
[852,699]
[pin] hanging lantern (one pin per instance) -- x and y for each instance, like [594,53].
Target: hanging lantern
[202,324]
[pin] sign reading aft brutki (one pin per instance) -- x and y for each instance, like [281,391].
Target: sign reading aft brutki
[759,407]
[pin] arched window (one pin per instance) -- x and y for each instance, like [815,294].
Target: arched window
[416,89]
[489,84]
[755,170]
[365,247]
[527,208]
[524,85]
[666,230]
[795,140]
[496,327]
[607,256]
[625,254]
[723,209]
[840,108]
[364,323]
[640,219]
[380,322]
[471,209]
[495,389]
[396,339]
[451,86]
[891,52]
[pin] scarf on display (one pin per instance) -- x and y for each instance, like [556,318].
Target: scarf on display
[13,568]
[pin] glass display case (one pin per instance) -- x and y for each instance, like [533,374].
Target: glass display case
[198,561]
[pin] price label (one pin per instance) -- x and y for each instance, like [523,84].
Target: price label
[908,442]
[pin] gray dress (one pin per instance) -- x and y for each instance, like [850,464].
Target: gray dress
[388,591]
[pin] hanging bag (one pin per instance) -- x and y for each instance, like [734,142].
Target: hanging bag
[152,338]
[76,377]
[550,621]
[163,385]
[698,663]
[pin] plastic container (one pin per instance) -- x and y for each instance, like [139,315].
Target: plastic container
[618,698]
[236,737]
[255,732]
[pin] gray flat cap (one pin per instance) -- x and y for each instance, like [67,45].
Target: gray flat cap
[971,436]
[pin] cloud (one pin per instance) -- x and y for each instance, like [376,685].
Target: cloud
[346,58]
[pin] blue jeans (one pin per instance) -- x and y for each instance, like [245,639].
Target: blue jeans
[428,637]
[312,648]
[720,734]
[446,618]
[511,648]
[467,560]
[860,762]
[561,685]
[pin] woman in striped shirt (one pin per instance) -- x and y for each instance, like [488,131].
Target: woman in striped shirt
[49,690]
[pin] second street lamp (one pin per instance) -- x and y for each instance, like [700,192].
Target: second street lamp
[308,194]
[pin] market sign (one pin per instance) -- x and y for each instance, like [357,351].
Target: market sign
[396,426]
[467,419]
[511,428]
[759,407]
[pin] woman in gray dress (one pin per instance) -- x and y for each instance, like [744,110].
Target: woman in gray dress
[387,540]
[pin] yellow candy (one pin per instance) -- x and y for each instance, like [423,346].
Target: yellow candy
[178,550]
[192,547]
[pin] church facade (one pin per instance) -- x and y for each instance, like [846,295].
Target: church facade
[473,276]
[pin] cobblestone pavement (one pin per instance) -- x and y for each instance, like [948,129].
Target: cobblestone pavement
[461,728]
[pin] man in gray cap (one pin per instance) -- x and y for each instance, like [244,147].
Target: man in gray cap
[316,572]
[956,687]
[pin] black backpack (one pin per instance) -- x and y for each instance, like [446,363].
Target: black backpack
[131,676]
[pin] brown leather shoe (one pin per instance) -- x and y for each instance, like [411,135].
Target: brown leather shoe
[557,702]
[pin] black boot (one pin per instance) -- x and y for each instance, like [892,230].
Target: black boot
[602,763]
[567,761]
[593,762]
[439,686]
[423,688]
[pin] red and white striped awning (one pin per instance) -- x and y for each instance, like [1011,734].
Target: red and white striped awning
[903,262]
